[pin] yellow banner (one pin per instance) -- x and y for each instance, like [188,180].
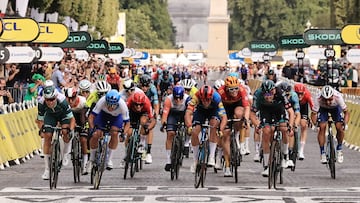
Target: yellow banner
[52,33]
[19,30]
[350,34]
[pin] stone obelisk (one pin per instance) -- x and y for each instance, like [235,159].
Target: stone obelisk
[218,20]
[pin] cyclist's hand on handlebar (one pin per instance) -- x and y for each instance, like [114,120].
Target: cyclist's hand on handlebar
[189,130]
[163,127]
[221,134]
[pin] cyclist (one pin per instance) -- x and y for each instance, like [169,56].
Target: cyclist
[206,104]
[113,78]
[174,111]
[140,110]
[150,91]
[330,101]
[235,100]
[305,101]
[270,75]
[273,106]
[85,88]
[166,81]
[189,86]
[102,87]
[129,89]
[79,109]
[218,83]
[110,108]
[53,109]
[294,101]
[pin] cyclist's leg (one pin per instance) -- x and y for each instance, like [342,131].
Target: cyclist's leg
[99,121]
[47,134]
[198,118]
[267,132]
[170,133]
[226,139]
[304,111]
[214,122]
[339,124]
[323,117]
[65,125]
[239,113]
[254,118]
[116,123]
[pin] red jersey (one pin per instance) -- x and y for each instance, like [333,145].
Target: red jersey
[113,80]
[307,99]
[228,100]
[146,108]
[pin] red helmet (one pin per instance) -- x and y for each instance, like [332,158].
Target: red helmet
[299,88]
[139,97]
[206,92]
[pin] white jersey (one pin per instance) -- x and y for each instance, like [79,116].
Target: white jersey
[79,104]
[338,100]
[122,109]
[125,96]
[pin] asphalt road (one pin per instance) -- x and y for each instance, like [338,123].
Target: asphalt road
[311,181]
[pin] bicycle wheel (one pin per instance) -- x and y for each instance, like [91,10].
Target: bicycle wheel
[101,165]
[204,163]
[179,156]
[54,164]
[272,164]
[278,167]
[332,158]
[128,156]
[133,158]
[76,158]
[198,176]
[174,149]
[234,159]
[294,154]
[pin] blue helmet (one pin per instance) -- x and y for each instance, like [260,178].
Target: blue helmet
[112,97]
[178,91]
[234,74]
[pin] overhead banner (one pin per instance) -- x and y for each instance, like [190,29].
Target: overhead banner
[20,54]
[292,42]
[51,54]
[19,30]
[1,27]
[116,48]
[52,33]
[98,47]
[78,40]
[353,55]
[323,37]
[350,34]
[263,46]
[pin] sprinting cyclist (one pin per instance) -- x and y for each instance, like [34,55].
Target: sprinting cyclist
[174,111]
[53,109]
[294,101]
[206,104]
[273,106]
[140,110]
[234,98]
[189,86]
[129,89]
[218,83]
[79,109]
[110,108]
[306,102]
[330,101]
[102,87]
[85,88]
[150,91]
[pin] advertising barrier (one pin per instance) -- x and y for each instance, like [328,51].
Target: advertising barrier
[19,133]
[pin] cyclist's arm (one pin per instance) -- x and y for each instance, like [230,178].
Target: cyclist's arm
[167,105]
[222,114]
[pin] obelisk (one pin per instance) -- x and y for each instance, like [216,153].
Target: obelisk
[218,20]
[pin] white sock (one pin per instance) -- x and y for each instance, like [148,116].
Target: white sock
[143,140]
[46,161]
[257,146]
[302,145]
[285,149]
[247,142]
[266,159]
[187,141]
[85,159]
[212,149]
[110,154]
[42,144]
[168,154]
[92,155]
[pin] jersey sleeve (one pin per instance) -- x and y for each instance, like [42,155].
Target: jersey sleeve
[244,97]
[124,111]
[155,95]
[167,106]
[295,102]
[148,108]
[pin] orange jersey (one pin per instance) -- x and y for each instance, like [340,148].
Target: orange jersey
[228,100]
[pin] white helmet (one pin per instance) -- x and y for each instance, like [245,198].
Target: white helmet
[48,83]
[187,83]
[140,71]
[128,84]
[327,91]
[102,86]
[242,82]
[50,92]
[194,82]
[71,92]
[84,85]
[218,83]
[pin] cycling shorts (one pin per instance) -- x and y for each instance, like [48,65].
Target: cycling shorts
[102,118]
[323,114]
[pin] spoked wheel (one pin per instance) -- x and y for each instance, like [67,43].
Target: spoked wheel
[133,159]
[278,168]
[294,155]
[332,157]
[128,156]
[76,159]
[272,165]
[54,164]
[101,167]
[204,164]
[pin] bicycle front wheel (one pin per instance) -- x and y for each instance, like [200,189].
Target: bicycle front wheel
[332,157]
[76,158]
[54,164]
[272,164]
[101,165]
[128,156]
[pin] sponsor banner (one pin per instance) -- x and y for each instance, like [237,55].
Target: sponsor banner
[350,34]
[353,55]
[81,55]
[292,42]
[323,37]
[98,47]
[51,54]
[127,53]
[20,54]
[315,53]
[19,30]
[246,51]
[137,55]
[116,57]
[116,48]
[52,33]
[263,46]
[79,40]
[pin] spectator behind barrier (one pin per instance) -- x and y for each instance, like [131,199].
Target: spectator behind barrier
[5,95]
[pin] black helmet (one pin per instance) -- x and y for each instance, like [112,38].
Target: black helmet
[145,80]
[267,85]
[284,86]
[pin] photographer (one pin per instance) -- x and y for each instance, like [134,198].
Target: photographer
[5,96]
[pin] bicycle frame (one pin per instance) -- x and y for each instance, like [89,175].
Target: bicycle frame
[235,156]
[132,156]
[330,150]
[275,158]
[177,150]
[200,171]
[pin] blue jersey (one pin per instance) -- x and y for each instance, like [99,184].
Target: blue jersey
[152,94]
[294,100]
